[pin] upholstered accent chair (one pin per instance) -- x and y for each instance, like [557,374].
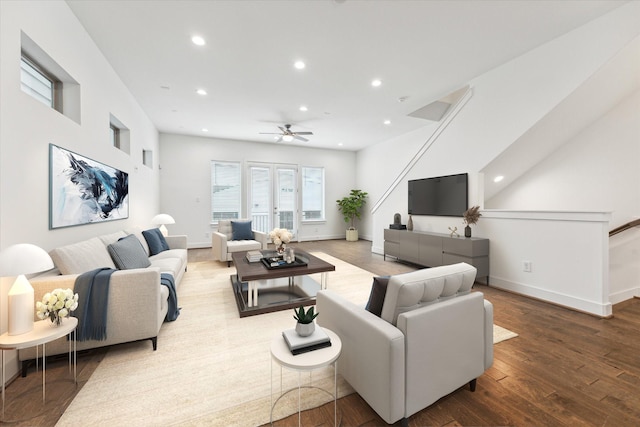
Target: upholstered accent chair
[236,235]
[434,335]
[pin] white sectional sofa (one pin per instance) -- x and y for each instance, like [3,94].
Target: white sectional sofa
[432,337]
[137,304]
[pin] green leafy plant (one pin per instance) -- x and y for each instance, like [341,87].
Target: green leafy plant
[351,206]
[304,317]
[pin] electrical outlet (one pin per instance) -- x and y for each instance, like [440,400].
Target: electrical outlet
[526,266]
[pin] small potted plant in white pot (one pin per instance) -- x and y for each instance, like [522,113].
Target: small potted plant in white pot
[305,325]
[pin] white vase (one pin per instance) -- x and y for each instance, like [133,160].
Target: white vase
[305,329]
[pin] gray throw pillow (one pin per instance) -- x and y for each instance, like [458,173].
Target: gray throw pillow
[241,230]
[378,292]
[128,253]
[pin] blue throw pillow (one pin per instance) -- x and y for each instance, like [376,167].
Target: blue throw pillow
[241,230]
[155,240]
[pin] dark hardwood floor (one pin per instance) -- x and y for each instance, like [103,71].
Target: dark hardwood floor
[566,368]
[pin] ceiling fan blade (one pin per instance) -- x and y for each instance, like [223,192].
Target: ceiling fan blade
[298,137]
[303,133]
[282,129]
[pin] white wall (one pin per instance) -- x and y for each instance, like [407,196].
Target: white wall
[185,179]
[28,127]
[506,103]
[595,170]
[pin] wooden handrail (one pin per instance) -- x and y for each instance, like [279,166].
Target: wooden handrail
[624,227]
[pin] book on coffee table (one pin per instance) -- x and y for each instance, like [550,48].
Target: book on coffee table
[254,256]
[297,344]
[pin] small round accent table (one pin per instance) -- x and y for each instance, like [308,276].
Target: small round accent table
[306,362]
[42,333]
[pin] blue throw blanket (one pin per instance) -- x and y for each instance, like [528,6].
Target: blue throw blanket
[167,280]
[92,288]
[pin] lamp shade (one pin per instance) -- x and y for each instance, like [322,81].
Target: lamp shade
[24,258]
[18,260]
[162,219]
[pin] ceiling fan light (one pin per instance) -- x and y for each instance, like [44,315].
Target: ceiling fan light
[287,138]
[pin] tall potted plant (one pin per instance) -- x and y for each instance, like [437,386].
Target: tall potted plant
[351,208]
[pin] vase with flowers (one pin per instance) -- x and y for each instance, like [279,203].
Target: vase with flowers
[56,305]
[280,237]
[471,216]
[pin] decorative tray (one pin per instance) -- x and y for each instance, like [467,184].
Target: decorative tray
[274,263]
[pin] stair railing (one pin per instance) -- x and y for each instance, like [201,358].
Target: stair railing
[624,227]
[434,136]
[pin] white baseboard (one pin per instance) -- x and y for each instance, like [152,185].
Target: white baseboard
[627,294]
[579,304]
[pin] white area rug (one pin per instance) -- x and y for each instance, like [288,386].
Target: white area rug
[211,367]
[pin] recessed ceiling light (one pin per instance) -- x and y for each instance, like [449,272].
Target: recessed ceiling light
[299,65]
[201,92]
[340,144]
[376,82]
[303,108]
[205,130]
[498,178]
[198,41]
[387,122]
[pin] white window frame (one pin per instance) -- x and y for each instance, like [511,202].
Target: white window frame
[214,190]
[305,190]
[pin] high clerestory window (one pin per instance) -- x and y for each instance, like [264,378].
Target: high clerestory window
[46,81]
[36,82]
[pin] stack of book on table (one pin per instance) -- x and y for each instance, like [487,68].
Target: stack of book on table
[254,256]
[297,344]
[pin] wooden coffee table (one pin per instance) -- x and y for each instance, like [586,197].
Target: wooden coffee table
[279,288]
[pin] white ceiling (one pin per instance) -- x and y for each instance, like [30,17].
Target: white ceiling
[421,50]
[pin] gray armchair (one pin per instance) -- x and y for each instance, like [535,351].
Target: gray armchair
[433,336]
[223,243]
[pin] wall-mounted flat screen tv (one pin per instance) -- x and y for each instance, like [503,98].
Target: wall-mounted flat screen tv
[440,196]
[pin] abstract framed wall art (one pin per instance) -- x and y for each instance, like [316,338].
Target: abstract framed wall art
[84,191]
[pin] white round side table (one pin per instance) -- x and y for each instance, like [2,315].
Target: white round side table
[306,362]
[42,333]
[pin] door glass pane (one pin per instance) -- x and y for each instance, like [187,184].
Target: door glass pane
[260,198]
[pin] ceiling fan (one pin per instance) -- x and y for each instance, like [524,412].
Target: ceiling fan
[287,135]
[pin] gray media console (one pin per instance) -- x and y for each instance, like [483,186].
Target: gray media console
[433,250]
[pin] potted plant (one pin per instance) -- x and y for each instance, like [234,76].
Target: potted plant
[351,208]
[471,216]
[305,325]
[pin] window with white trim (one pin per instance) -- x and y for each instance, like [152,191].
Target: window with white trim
[313,205]
[42,78]
[35,82]
[226,190]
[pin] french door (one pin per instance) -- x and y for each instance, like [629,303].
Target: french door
[273,197]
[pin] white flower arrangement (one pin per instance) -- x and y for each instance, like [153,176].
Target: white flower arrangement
[57,304]
[280,236]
